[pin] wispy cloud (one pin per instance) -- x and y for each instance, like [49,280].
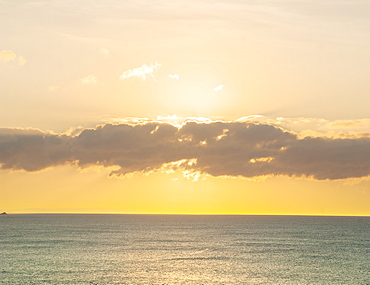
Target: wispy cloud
[142,72]
[53,87]
[104,51]
[89,80]
[218,88]
[21,60]
[235,149]
[174,76]
[7,55]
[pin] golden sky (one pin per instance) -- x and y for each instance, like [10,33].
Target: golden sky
[210,107]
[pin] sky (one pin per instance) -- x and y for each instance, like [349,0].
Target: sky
[185,107]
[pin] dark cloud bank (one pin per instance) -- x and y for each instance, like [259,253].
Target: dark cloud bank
[219,148]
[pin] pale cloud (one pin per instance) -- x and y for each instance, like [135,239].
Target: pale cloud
[319,127]
[89,80]
[251,118]
[218,88]
[53,87]
[104,51]
[192,175]
[174,76]
[221,149]
[21,60]
[349,124]
[142,72]
[316,127]
[7,55]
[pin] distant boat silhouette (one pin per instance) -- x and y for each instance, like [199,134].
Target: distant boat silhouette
[3,213]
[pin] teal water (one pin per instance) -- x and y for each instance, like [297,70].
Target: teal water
[156,249]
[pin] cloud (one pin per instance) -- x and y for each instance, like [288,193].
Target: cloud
[142,72]
[351,124]
[21,60]
[53,88]
[89,80]
[7,55]
[174,76]
[33,150]
[104,51]
[218,88]
[317,127]
[235,149]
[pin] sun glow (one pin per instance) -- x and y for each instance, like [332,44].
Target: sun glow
[197,99]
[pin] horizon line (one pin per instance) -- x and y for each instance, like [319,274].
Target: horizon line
[182,214]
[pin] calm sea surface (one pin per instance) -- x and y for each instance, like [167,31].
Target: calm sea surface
[156,249]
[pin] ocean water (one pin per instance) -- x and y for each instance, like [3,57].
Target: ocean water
[160,249]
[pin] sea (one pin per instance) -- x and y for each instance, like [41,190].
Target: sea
[183,249]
